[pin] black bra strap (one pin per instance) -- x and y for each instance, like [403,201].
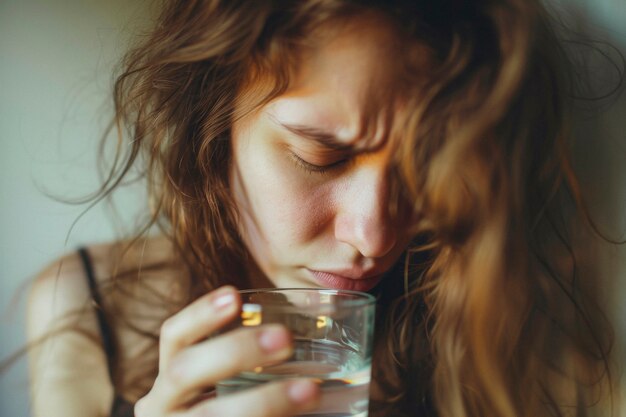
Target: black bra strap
[105,330]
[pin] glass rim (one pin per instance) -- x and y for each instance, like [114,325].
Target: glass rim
[360,298]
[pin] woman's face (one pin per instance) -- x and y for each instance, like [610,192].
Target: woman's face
[310,171]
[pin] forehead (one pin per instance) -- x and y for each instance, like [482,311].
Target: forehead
[351,82]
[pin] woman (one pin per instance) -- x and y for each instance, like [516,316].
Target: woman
[415,150]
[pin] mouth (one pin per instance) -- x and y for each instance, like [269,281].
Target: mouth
[352,282]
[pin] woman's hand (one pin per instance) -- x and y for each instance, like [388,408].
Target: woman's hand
[189,364]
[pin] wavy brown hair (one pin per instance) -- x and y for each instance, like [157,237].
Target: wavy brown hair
[491,317]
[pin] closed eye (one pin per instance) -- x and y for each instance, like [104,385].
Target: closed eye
[314,168]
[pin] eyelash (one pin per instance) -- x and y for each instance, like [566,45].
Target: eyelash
[312,168]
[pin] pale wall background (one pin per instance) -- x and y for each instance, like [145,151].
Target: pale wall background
[56,58]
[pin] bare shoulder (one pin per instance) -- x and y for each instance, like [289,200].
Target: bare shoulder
[68,363]
[138,278]
[62,290]
[68,367]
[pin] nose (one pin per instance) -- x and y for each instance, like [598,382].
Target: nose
[362,217]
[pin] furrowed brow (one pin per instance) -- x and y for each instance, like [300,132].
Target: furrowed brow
[323,137]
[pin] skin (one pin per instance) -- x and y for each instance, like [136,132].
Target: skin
[315,214]
[305,226]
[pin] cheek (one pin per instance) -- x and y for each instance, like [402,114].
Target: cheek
[284,206]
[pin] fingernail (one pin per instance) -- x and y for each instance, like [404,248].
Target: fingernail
[222,301]
[302,391]
[274,339]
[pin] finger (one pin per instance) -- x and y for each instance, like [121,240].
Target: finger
[197,321]
[206,363]
[281,399]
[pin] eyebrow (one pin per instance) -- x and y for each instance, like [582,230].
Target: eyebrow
[323,137]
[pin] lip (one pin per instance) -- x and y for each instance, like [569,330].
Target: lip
[346,280]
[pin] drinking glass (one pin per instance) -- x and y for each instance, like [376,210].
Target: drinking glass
[332,334]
